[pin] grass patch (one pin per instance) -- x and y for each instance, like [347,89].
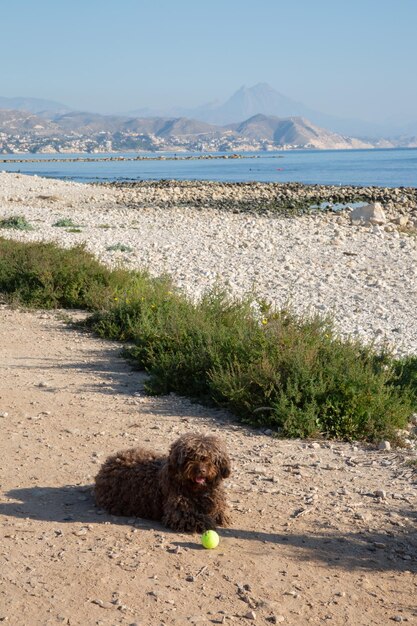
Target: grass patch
[273,369]
[65,222]
[17,222]
[119,247]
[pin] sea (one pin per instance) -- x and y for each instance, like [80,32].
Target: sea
[381,168]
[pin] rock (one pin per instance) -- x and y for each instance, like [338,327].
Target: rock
[384,445]
[103,605]
[370,214]
[250,615]
[402,220]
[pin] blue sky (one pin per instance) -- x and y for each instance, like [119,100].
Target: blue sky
[349,58]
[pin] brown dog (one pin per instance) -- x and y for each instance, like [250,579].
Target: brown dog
[182,490]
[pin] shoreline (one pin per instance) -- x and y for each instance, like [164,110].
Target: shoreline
[204,234]
[97,159]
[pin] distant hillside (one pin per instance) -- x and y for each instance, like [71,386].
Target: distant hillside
[91,132]
[295,131]
[243,104]
[247,102]
[183,127]
[263,99]
[12,121]
[47,108]
[87,123]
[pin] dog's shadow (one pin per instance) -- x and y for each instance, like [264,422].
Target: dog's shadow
[352,551]
[69,503]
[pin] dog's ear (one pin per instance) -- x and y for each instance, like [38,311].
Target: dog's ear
[225,465]
[177,454]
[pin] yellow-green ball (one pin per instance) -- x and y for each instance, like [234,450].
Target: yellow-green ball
[210,539]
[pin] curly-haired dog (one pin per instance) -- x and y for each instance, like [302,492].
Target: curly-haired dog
[182,489]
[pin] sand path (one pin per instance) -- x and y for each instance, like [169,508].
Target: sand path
[321,533]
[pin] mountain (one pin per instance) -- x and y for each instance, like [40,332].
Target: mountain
[46,108]
[293,131]
[184,127]
[13,121]
[243,104]
[91,132]
[88,123]
[263,99]
[247,102]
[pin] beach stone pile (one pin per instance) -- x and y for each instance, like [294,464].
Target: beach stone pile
[267,198]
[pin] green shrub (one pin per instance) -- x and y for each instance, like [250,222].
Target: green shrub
[291,374]
[65,222]
[42,275]
[17,222]
[307,382]
[405,374]
[271,368]
[119,247]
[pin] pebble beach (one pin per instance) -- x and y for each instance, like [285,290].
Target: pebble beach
[247,238]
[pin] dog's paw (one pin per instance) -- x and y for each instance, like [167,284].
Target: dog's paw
[223,519]
[201,525]
[190,523]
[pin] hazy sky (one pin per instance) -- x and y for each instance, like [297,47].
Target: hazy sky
[346,57]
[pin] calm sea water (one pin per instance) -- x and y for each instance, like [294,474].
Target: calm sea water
[386,168]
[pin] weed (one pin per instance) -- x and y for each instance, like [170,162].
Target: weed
[119,247]
[65,222]
[17,222]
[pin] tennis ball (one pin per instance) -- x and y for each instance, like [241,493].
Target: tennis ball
[210,539]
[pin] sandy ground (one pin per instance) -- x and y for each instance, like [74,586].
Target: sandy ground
[321,532]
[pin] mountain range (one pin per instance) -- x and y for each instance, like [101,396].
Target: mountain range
[43,108]
[256,118]
[262,98]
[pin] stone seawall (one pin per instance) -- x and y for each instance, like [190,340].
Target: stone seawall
[265,198]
